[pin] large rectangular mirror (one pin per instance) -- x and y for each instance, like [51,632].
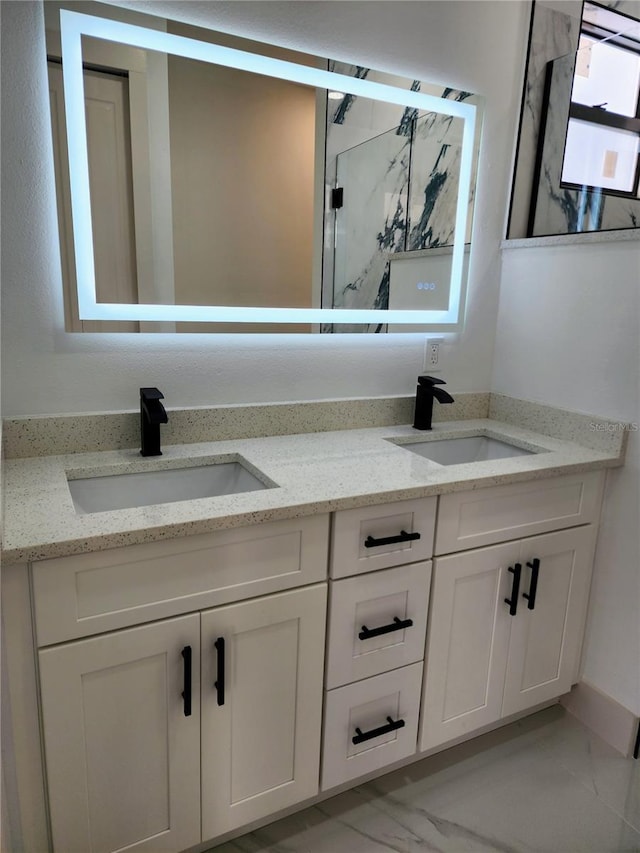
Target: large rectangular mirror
[212,185]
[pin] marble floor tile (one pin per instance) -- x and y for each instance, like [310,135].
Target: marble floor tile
[542,785]
[598,767]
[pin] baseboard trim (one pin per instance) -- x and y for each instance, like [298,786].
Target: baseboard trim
[610,720]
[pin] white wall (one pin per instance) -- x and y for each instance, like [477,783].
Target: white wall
[474,46]
[568,335]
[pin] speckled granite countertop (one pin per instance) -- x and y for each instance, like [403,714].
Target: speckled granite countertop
[314,473]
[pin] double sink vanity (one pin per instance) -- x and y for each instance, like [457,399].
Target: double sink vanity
[238,628]
[218,477]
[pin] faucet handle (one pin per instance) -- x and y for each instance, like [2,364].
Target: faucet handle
[430,380]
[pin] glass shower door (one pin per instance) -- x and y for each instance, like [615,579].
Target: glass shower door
[372,220]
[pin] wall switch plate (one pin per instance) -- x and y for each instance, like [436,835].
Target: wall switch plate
[433,354]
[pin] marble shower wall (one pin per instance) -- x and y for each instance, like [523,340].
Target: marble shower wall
[373,221]
[554,36]
[433,188]
[400,177]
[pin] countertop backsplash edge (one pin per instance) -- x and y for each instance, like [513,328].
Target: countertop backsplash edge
[594,432]
[81,433]
[85,433]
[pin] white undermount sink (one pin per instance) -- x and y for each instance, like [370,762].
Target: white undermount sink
[123,491]
[474,448]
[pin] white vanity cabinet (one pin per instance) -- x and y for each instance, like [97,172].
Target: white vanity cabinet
[506,621]
[187,691]
[166,734]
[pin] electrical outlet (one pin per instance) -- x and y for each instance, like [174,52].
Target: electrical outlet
[433,354]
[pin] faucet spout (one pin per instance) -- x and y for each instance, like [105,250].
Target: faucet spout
[442,396]
[155,412]
[425,393]
[152,414]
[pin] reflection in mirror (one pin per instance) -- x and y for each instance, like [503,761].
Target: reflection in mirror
[580,127]
[589,160]
[398,196]
[190,204]
[208,185]
[603,131]
[237,206]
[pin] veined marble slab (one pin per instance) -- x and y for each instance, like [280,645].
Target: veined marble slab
[373,221]
[400,174]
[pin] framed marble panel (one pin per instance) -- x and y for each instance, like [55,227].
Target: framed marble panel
[540,205]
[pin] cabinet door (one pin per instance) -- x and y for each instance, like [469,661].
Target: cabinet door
[123,759]
[468,640]
[261,726]
[546,639]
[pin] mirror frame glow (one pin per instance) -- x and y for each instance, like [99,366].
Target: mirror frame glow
[74,25]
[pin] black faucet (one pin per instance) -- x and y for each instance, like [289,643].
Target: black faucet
[152,414]
[425,392]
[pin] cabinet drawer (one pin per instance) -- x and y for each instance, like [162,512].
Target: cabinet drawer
[370,711]
[500,513]
[91,593]
[368,603]
[405,528]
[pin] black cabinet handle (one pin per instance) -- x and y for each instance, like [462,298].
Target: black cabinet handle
[392,726]
[396,625]
[186,693]
[219,684]
[403,536]
[533,588]
[516,571]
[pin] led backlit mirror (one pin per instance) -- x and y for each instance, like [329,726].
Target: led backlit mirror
[407,273]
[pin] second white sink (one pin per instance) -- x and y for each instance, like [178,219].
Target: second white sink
[456,451]
[123,491]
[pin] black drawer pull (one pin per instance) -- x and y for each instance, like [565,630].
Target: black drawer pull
[219,684]
[516,571]
[396,625]
[186,693]
[533,588]
[370,542]
[392,726]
